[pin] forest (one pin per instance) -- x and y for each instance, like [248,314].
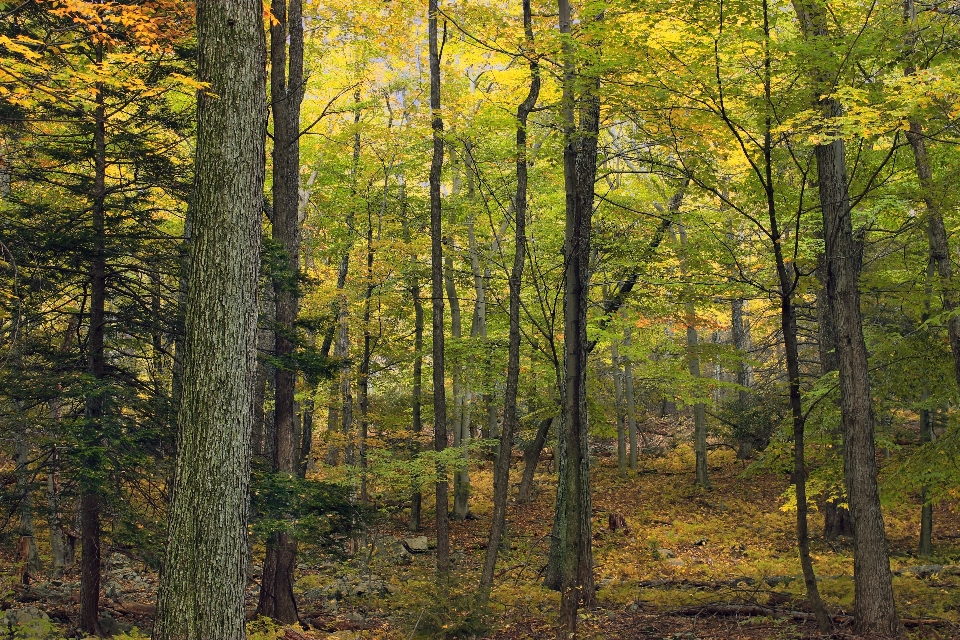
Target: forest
[479,319]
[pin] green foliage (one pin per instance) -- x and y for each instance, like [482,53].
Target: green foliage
[429,612]
[321,513]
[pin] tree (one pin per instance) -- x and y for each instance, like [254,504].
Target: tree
[436,274]
[875,610]
[501,472]
[287,86]
[571,561]
[202,586]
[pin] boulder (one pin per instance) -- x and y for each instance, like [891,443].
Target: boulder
[417,544]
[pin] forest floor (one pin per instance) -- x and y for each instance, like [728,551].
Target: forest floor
[690,564]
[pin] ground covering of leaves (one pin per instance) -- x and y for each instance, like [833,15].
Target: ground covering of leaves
[683,551]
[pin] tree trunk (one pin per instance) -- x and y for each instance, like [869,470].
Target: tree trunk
[620,410]
[501,469]
[693,363]
[461,477]
[874,606]
[939,258]
[436,274]
[531,457]
[96,367]
[27,559]
[416,399]
[571,561]
[201,592]
[628,394]
[286,89]
[61,545]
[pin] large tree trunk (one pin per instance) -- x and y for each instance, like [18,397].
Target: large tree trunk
[202,582]
[286,89]
[571,560]
[874,606]
[436,275]
[501,468]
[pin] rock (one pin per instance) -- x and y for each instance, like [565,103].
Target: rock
[665,553]
[773,581]
[29,622]
[312,595]
[117,560]
[700,543]
[633,608]
[331,606]
[675,562]
[418,544]
[922,571]
[112,589]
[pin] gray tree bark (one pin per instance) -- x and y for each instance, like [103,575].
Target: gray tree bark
[202,583]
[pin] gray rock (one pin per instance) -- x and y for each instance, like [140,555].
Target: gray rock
[774,581]
[116,560]
[923,571]
[112,589]
[29,622]
[675,562]
[418,544]
[665,553]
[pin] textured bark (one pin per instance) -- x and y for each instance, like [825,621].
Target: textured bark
[286,92]
[874,607]
[570,569]
[926,510]
[436,276]
[201,591]
[501,468]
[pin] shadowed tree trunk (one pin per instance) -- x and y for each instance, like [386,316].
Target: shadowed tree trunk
[96,367]
[874,606]
[531,457]
[201,592]
[286,89]
[436,273]
[501,468]
[416,396]
[570,569]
